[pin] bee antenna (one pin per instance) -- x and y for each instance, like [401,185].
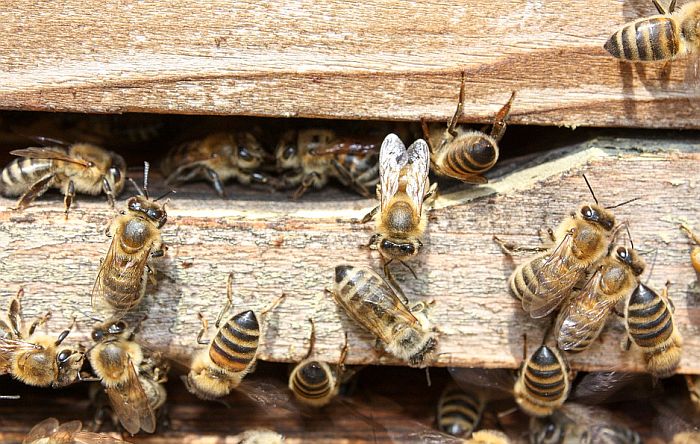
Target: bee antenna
[138,188]
[146,168]
[427,377]
[62,337]
[590,188]
[164,194]
[627,227]
[653,262]
[621,204]
[89,316]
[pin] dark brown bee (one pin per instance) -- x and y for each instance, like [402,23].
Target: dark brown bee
[372,303]
[310,157]
[466,154]
[659,37]
[221,367]
[650,325]
[583,316]
[315,383]
[217,158]
[121,280]
[459,411]
[33,358]
[543,384]
[81,167]
[49,431]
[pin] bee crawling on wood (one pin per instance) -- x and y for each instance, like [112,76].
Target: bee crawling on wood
[466,154]
[217,158]
[33,358]
[50,431]
[80,167]
[136,241]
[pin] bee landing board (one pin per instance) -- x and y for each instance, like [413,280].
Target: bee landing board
[389,59]
[275,245]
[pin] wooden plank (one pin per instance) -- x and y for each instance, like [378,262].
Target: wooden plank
[383,59]
[274,245]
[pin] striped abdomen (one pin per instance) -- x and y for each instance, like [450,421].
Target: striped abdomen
[364,169]
[543,384]
[311,382]
[459,412]
[468,154]
[22,173]
[647,39]
[236,343]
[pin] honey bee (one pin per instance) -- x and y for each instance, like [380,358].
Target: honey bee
[459,412]
[217,158]
[660,37]
[650,326]
[49,431]
[583,316]
[543,384]
[121,280]
[312,156]
[466,154]
[314,383]
[402,217]
[581,241]
[695,252]
[373,303]
[33,358]
[231,355]
[80,167]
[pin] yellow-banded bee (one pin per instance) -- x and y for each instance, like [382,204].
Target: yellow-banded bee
[660,37]
[121,280]
[581,241]
[116,360]
[459,411]
[650,326]
[221,367]
[543,384]
[402,218]
[33,358]
[583,316]
[466,154]
[81,167]
[373,303]
[315,383]
[311,156]
[217,158]
[49,431]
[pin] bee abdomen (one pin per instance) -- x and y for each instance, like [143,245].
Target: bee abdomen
[236,343]
[649,39]
[476,155]
[459,412]
[120,292]
[523,282]
[311,381]
[21,173]
[544,376]
[649,320]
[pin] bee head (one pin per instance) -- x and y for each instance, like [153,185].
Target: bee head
[546,430]
[248,153]
[69,363]
[150,209]
[116,173]
[630,258]
[287,152]
[596,214]
[101,331]
[399,249]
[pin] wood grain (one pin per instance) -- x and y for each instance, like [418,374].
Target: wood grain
[274,246]
[381,59]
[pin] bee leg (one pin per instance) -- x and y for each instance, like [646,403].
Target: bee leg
[394,283]
[369,215]
[14,313]
[499,122]
[306,182]
[229,300]
[625,344]
[37,189]
[661,9]
[312,339]
[203,330]
[431,195]
[508,248]
[458,112]
[158,253]
[689,232]
[151,275]
[344,175]
[213,176]
[343,356]
[273,304]
[107,189]
[68,196]
[38,322]
[426,134]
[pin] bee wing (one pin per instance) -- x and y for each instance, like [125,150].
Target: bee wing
[9,347]
[584,313]
[49,153]
[493,384]
[347,145]
[392,158]
[417,174]
[96,438]
[603,387]
[42,430]
[387,303]
[554,281]
[130,404]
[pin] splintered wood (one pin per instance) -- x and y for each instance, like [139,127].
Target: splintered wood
[274,245]
[335,59]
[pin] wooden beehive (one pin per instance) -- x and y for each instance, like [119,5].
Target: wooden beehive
[378,60]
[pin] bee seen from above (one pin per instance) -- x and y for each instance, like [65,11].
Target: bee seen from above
[583,316]
[313,382]
[80,167]
[465,154]
[49,431]
[310,157]
[136,241]
[230,356]
[543,384]
[373,304]
[34,358]
[217,158]
[650,326]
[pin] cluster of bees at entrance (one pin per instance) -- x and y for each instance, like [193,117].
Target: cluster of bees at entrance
[582,279]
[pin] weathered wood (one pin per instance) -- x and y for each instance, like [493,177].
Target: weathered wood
[374,60]
[274,245]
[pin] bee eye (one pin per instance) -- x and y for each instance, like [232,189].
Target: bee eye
[587,212]
[289,152]
[116,174]
[408,249]
[622,253]
[243,153]
[97,335]
[64,356]
[549,430]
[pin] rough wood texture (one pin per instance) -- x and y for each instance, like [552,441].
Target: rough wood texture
[275,245]
[374,60]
